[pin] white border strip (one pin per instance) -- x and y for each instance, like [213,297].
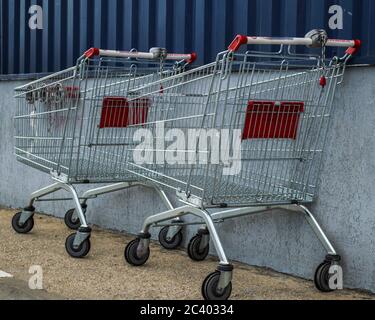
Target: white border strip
[5,275]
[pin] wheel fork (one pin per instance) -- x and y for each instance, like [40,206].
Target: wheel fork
[226,277]
[174,229]
[82,235]
[27,214]
[144,244]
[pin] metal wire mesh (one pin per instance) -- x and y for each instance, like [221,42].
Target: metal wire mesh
[281,110]
[57,123]
[83,123]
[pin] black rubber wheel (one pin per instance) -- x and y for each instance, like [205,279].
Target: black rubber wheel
[72,222]
[81,252]
[26,228]
[131,255]
[322,277]
[172,243]
[194,251]
[209,288]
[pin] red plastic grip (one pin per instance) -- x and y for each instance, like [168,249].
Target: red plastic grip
[323,81]
[92,52]
[194,57]
[353,50]
[237,43]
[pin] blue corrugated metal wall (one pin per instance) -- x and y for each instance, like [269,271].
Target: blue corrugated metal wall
[204,26]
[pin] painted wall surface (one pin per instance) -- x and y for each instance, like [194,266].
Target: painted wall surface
[284,242]
[42,36]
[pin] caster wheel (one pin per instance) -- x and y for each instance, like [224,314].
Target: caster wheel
[71,221]
[131,255]
[194,251]
[209,288]
[24,229]
[322,277]
[81,252]
[170,244]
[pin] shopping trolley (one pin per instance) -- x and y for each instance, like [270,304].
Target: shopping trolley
[167,65]
[272,110]
[70,125]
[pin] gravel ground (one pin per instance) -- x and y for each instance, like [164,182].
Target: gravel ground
[105,275]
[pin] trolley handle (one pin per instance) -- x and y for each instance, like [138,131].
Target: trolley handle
[93,52]
[352,45]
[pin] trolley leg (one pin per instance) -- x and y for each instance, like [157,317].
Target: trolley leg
[165,199]
[317,230]
[72,217]
[235,213]
[44,192]
[78,244]
[107,189]
[93,193]
[23,221]
[77,202]
[183,211]
[225,270]
[327,270]
[84,232]
[175,228]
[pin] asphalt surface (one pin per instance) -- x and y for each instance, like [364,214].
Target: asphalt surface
[13,289]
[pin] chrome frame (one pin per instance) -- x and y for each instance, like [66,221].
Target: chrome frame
[195,204]
[40,145]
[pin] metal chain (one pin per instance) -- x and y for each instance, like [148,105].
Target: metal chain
[162,62]
[323,41]
[323,57]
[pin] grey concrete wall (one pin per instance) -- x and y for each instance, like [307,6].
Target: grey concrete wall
[284,242]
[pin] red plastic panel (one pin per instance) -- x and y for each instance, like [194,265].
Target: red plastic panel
[72,92]
[271,120]
[118,112]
